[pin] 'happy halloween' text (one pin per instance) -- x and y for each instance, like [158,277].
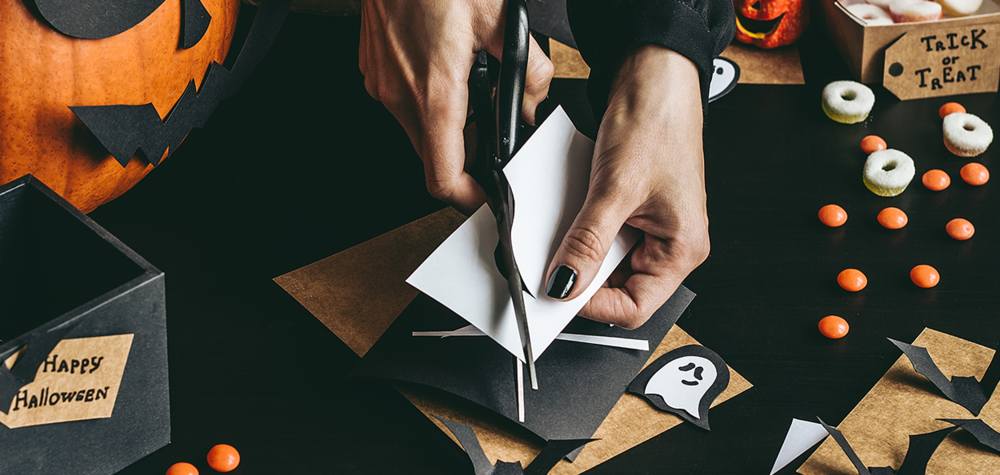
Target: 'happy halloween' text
[84,366]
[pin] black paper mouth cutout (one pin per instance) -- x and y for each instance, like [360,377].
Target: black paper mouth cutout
[921,448]
[99,19]
[125,129]
[551,454]
[684,382]
[965,391]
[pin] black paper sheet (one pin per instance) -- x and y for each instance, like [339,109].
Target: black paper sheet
[125,129]
[95,19]
[578,383]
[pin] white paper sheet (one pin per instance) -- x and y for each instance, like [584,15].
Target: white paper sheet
[612,341]
[548,177]
[801,436]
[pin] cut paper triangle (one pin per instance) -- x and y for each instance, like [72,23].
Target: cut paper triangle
[801,436]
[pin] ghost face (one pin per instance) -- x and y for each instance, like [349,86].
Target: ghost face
[684,382]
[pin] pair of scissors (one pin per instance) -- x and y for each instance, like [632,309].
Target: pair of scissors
[498,130]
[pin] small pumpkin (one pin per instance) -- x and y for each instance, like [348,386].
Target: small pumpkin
[44,72]
[770,23]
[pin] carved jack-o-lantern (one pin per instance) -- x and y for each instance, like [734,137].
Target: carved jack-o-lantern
[770,23]
[57,54]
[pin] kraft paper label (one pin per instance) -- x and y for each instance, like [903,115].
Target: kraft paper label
[79,380]
[943,62]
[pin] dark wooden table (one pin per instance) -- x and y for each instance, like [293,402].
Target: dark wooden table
[302,164]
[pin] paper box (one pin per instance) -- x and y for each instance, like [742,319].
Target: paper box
[83,346]
[937,58]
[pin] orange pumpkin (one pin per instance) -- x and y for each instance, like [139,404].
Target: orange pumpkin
[43,73]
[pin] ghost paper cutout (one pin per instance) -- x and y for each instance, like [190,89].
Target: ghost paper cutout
[965,391]
[725,74]
[684,382]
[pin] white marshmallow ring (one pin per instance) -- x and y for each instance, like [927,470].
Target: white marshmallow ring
[872,15]
[888,172]
[847,102]
[966,135]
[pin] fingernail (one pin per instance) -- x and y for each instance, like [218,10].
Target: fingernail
[561,283]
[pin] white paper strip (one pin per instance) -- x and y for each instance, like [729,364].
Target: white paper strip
[613,341]
[801,436]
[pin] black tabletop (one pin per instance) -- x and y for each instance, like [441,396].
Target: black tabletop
[302,164]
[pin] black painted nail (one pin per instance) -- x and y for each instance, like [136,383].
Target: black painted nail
[561,283]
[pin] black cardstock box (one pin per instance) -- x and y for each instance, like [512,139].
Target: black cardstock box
[63,277]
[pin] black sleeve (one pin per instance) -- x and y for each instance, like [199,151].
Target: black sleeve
[606,30]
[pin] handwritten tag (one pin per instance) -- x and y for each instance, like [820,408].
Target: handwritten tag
[943,62]
[79,380]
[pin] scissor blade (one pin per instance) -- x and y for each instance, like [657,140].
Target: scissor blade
[504,215]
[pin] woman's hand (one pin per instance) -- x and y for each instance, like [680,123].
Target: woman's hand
[648,172]
[416,56]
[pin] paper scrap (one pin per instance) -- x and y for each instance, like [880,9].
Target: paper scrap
[548,177]
[801,436]
[616,342]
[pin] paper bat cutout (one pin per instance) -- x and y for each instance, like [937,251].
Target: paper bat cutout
[922,446]
[980,430]
[684,382]
[40,344]
[125,129]
[966,391]
[99,19]
[551,454]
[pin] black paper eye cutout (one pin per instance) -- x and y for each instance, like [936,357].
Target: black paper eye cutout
[725,74]
[99,19]
[684,382]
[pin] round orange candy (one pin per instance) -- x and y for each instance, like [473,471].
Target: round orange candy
[872,143]
[892,218]
[832,215]
[925,276]
[949,108]
[960,229]
[936,180]
[223,458]
[833,327]
[182,468]
[852,280]
[975,174]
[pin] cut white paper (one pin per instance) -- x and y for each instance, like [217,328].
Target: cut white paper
[548,177]
[612,341]
[802,435]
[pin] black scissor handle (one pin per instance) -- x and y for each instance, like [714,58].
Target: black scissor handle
[510,90]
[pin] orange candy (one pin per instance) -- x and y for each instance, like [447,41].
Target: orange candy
[936,180]
[950,108]
[892,218]
[833,327]
[960,229]
[223,458]
[925,276]
[852,280]
[182,468]
[872,143]
[975,174]
[832,215]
